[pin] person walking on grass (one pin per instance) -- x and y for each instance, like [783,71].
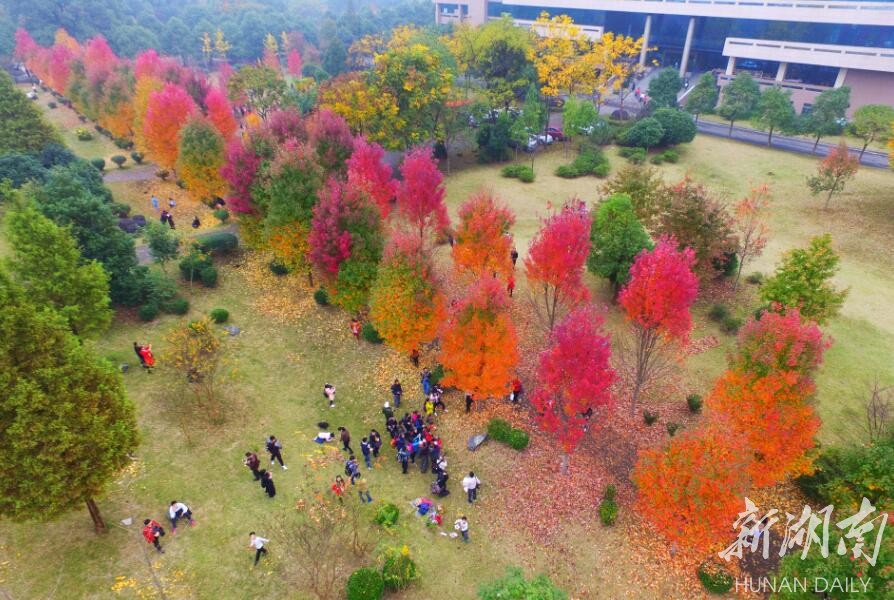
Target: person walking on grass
[253,463]
[366,451]
[414,357]
[152,532]
[256,543]
[137,351]
[470,486]
[510,285]
[468,402]
[274,447]
[338,488]
[178,511]
[352,469]
[268,485]
[403,456]
[329,394]
[397,392]
[387,411]
[426,381]
[345,440]
[462,526]
[375,442]
[514,256]
[362,489]
[355,329]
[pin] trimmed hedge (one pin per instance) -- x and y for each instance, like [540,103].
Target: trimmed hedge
[149,311]
[137,157]
[222,215]
[119,159]
[220,315]
[608,508]
[217,243]
[523,173]
[177,306]
[501,431]
[636,156]
[365,584]
[590,161]
[277,268]
[694,402]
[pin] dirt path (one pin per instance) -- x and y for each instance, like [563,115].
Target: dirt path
[139,173]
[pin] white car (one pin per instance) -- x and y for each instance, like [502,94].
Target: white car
[545,139]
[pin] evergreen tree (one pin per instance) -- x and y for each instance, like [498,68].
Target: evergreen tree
[47,263]
[827,116]
[616,238]
[663,89]
[703,97]
[66,427]
[740,98]
[22,128]
[774,111]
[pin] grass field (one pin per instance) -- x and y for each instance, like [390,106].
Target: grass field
[289,348]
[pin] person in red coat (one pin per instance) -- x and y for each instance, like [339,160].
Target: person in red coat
[152,532]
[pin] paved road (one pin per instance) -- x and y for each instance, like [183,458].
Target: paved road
[871,158]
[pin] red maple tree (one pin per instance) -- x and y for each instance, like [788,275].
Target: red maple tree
[240,170]
[330,240]
[166,112]
[99,60]
[751,226]
[656,302]
[692,489]
[368,171]
[780,341]
[294,63]
[420,197]
[555,262]
[483,241]
[773,414]
[220,113]
[479,346]
[575,378]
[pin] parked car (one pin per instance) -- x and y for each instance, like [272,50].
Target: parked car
[556,133]
[546,140]
[532,143]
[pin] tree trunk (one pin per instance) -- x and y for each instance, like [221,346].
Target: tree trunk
[770,137]
[862,150]
[829,199]
[635,397]
[815,144]
[563,466]
[98,524]
[696,118]
[730,134]
[738,274]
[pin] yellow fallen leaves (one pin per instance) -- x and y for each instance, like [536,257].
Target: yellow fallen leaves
[285,298]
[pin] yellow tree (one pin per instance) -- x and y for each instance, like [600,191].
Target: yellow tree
[367,112]
[195,351]
[145,86]
[362,52]
[206,48]
[221,45]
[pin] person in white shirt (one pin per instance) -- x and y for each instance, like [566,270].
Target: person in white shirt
[257,542]
[178,511]
[470,486]
[462,525]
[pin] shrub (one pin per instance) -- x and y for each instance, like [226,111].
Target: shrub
[499,430]
[180,184]
[158,288]
[209,276]
[718,312]
[177,306]
[437,374]
[148,311]
[121,210]
[645,133]
[678,126]
[729,264]
[220,315]
[608,512]
[656,159]
[277,268]
[610,492]
[672,428]
[217,243]
[386,515]
[755,278]
[731,324]
[83,134]
[222,215]
[123,143]
[119,159]
[515,586]
[671,156]
[694,402]
[99,163]
[590,161]
[365,584]
[193,264]
[398,568]
[137,157]
[162,174]
[321,297]
[636,156]
[369,333]
[843,476]
[649,417]
[523,173]
[51,105]
[518,439]
[715,578]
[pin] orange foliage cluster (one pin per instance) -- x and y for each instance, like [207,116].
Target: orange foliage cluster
[483,241]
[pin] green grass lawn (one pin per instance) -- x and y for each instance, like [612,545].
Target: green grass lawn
[275,371]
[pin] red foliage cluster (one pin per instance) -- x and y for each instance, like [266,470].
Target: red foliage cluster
[420,197]
[367,171]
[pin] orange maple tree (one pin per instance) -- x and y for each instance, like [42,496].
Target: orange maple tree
[144,87]
[166,112]
[692,490]
[406,304]
[774,416]
[483,241]
[479,346]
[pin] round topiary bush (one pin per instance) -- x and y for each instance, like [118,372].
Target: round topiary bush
[148,311]
[365,584]
[694,402]
[518,439]
[499,430]
[51,105]
[715,577]
[83,134]
[99,163]
[222,215]
[608,512]
[119,159]
[277,268]
[208,275]
[220,315]
[177,306]
[321,297]
[137,157]
[386,515]
[370,334]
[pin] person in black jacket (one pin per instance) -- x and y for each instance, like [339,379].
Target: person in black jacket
[267,484]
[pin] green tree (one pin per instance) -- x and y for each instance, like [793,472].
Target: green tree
[578,116]
[263,87]
[827,116]
[493,139]
[663,89]
[703,97]
[335,56]
[532,119]
[164,245]
[774,111]
[872,122]
[66,427]
[645,133]
[740,99]
[22,128]
[514,586]
[803,281]
[678,126]
[644,186]
[616,238]
[46,262]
